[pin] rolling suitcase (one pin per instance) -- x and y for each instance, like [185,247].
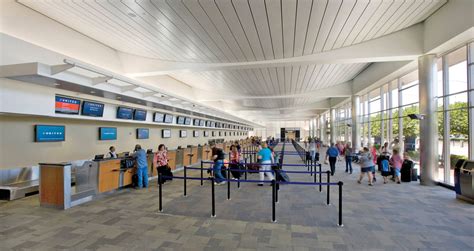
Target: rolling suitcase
[406,171]
[282,176]
[414,174]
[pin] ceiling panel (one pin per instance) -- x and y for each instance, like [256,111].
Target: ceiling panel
[233,30]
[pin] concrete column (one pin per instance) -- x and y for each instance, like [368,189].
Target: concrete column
[332,114]
[355,113]
[322,127]
[382,121]
[427,73]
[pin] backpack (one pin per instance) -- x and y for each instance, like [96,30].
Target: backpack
[385,166]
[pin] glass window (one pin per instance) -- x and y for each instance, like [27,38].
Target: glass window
[457,70]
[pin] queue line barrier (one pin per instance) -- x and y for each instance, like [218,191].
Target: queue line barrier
[274,184]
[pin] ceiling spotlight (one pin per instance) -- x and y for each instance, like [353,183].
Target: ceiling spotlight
[92,92]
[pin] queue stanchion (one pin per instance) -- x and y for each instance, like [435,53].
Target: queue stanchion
[328,188]
[320,178]
[311,168]
[246,168]
[184,182]
[228,183]
[202,174]
[340,183]
[314,176]
[273,201]
[160,193]
[213,199]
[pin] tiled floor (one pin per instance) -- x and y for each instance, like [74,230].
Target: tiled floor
[383,217]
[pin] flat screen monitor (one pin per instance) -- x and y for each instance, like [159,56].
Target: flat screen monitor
[67,105]
[139,115]
[166,133]
[99,157]
[124,113]
[208,123]
[180,120]
[168,118]
[50,133]
[159,117]
[202,122]
[183,133]
[107,133]
[206,134]
[213,134]
[92,109]
[196,122]
[220,133]
[213,124]
[187,121]
[143,133]
[196,134]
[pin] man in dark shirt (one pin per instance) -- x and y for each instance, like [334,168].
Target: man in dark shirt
[332,154]
[218,157]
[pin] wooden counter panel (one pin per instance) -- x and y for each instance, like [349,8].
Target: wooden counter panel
[127,176]
[109,175]
[52,186]
[195,155]
[172,159]
[186,161]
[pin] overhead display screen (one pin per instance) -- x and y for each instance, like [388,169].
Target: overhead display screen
[159,117]
[168,118]
[166,133]
[206,134]
[196,122]
[107,133]
[208,123]
[180,120]
[92,109]
[196,134]
[139,115]
[183,133]
[143,133]
[124,113]
[50,133]
[202,122]
[187,121]
[67,105]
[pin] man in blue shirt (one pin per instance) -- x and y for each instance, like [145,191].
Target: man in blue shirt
[332,154]
[142,166]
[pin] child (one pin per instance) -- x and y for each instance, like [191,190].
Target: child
[385,170]
[396,161]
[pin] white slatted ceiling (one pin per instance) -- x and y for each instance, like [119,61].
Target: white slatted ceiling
[234,30]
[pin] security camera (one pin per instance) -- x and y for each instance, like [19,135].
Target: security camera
[416,116]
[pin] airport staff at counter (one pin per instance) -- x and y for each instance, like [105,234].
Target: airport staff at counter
[111,154]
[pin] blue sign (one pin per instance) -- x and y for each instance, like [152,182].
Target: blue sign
[124,113]
[143,133]
[107,133]
[92,109]
[139,115]
[50,133]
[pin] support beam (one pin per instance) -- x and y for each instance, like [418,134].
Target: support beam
[332,113]
[355,123]
[427,75]
[100,80]
[55,69]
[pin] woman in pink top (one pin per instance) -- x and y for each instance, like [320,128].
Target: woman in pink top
[160,160]
[373,151]
[396,161]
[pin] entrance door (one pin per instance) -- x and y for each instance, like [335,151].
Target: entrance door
[291,135]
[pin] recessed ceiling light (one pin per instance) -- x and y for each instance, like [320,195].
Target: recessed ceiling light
[119,98]
[56,84]
[92,92]
[130,14]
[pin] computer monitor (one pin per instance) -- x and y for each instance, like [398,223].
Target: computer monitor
[99,157]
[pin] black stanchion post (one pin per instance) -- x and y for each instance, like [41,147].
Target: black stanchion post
[246,169]
[160,193]
[238,182]
[184,182]
[340,183]
[273,201]
[228,183]
[328,187]
[213,198]
[320,179]
[202,175]
[311,167]
[314,176]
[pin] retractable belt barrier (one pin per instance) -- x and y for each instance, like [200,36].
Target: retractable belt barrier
[274,185]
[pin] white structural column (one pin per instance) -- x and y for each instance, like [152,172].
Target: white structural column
[322,123]
[382,116]
[470,85]
[427,71]
[369,129]
[332,114]
[355,113]
[400,117]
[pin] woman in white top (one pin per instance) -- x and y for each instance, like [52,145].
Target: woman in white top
[111,154]
[312,149]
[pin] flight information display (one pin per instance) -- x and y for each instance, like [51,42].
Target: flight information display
[107,133]
[139,115]
[124,113]
[67,105]
[92,109]
[143,133]
[50,133]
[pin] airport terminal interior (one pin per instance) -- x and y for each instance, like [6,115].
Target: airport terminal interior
[236,125]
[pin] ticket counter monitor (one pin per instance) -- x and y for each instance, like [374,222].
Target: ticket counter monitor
[464,181]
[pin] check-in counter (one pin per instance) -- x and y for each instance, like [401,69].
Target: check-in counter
[464,181]
[194,152]
[200,153]
[179,157]
[109,175]
[172,159]
[186,158]
[206,152]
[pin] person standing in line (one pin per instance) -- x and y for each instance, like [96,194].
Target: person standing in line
[348,155]
[234,157]
[142,166]
[111,154]
[396,161]
[340,147]
[373,151]
[332,154]
[366,165]
[266,159]
[218,158]
[160,160]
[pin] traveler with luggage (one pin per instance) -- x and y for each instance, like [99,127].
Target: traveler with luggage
[218,158]
[396,161]
[142,166]
[312,149]
[160,161]
[373,151]
[366,165]
[348,155]
[234,165]
[266,159]
[332,154]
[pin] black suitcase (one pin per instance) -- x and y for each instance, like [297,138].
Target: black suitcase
[282,176]
[414,174]
[135,180]
[406,171]
[235,170]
